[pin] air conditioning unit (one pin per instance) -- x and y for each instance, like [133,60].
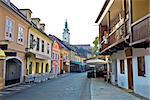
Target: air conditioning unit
[105,40]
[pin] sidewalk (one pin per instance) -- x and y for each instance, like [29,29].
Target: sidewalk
[105,91]
[15,89]
[18,88]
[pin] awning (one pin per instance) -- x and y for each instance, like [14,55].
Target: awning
[96,61]
[78,63]
[2,54]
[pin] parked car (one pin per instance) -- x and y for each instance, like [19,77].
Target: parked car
[101,73]
[90,74]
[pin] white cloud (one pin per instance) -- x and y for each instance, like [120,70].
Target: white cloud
[81,15]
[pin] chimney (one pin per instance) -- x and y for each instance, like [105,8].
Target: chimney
[42,27]
[36,21]
[27,13]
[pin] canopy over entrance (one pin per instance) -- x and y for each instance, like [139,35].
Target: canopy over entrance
[96,61]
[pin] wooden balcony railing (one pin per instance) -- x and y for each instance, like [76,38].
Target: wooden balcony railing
[141,28]
[116,35]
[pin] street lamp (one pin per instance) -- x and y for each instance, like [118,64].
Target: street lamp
[33,43]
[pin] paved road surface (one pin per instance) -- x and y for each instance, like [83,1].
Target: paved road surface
[73,87]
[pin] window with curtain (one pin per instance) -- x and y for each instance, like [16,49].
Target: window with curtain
[20,34]
[9,28]
[141,66]
[122,69]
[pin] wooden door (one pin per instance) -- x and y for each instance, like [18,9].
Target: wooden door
[130,73]
[13,72]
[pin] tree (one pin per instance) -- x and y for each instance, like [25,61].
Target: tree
[95,42]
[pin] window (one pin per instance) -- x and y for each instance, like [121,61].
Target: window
[20,34]
[141,66]
[42,46]
[9,28]
[31,40]
[52,55]
[122,66]
[58,57]
[55,56]
[38,44]
[48,48]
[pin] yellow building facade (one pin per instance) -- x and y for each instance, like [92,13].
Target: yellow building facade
[65,60]
[39,54]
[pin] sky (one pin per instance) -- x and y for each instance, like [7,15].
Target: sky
[80,14]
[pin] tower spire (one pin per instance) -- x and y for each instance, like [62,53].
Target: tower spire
[66,27]
[66,34]
[66,24]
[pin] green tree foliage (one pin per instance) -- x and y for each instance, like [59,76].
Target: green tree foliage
[95,42]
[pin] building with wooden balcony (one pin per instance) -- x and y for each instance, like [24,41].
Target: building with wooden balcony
[124,33]
[13,43]
[140,43]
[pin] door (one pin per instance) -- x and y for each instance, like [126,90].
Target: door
[130,73]
[13,71]
[37,68]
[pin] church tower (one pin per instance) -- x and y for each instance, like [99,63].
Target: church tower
[66,34]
